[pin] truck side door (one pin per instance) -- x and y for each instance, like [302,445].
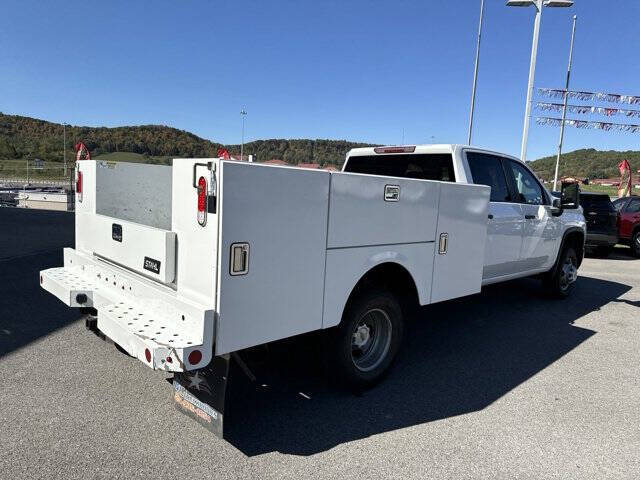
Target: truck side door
[505,222]
[541,233]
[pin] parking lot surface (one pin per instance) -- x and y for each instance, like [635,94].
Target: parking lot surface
[503,384]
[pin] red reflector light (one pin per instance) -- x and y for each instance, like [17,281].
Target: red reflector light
[194,357]
[395,149]
[147,355]
[79,186]
[169,360]
[202,201]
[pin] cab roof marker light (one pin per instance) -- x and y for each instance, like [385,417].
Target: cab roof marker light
[409,149]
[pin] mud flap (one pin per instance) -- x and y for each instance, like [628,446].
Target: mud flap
[200,394]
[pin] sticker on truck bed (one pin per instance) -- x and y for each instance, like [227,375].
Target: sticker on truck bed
[152,265]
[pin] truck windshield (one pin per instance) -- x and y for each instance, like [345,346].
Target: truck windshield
[427,166]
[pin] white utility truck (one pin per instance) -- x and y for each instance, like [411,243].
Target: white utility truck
[182,266]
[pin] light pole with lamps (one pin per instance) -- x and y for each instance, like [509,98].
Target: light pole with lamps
[475,74]
[244,114]
[564,104]
[534,53]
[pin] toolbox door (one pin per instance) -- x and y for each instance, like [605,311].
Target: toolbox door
[460,241]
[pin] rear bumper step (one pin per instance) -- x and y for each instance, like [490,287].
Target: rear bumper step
[163,331]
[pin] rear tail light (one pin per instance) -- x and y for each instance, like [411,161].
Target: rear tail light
[147,354]
[395,149]
[202,201]
[195,357]
[79,186]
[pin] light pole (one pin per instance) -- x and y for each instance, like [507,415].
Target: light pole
[564,105]
[534,53]
[475,73]
[243,113]
[64,147]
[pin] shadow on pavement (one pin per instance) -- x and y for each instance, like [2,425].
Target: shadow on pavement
[458,357]
[30,241]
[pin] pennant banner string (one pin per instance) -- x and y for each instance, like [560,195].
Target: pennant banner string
[584,109]
[589,96]
[556,122]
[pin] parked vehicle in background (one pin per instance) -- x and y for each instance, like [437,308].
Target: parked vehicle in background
[602,222]
[629,224]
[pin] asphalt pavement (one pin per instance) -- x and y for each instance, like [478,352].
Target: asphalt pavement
[503,384]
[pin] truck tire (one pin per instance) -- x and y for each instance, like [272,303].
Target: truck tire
[635,243]
[362,348]
[559,283]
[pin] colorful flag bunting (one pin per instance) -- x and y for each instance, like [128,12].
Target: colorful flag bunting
[589,96]
[556,122]
[585,109]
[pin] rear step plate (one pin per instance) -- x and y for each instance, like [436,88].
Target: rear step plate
[160,340]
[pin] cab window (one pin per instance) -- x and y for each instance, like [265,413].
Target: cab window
[527,189]
[633,206]
[427,166]
[487,169]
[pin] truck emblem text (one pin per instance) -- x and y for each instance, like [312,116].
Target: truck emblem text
[152,265]
[391,193]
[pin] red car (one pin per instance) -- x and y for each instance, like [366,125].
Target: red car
[629,223]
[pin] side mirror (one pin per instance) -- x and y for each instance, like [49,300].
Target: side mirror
[570,195]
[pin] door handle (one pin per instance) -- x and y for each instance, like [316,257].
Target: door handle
[529,217]
[490,217]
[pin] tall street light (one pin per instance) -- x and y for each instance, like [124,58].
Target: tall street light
[564,105]
[243,113]
[475,74]
[534,53]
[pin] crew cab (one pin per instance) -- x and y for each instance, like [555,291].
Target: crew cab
[629,222]
[185,266]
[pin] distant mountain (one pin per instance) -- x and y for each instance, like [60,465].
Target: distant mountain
[26,137]
[586,163]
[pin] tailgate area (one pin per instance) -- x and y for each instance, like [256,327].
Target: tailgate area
[150,322]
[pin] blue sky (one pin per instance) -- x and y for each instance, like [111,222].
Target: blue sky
[356,70]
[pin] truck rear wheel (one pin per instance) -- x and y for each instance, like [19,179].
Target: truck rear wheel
[559,283]
[362,348]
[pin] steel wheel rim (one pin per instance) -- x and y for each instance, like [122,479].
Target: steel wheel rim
[568,272]
[370,340]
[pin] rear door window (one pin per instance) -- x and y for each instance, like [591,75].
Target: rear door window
[600,203]
[427,166]
[487,169]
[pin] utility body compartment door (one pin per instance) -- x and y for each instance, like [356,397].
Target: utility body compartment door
[276,218]
[460,241]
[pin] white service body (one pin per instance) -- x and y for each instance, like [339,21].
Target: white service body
[163,282]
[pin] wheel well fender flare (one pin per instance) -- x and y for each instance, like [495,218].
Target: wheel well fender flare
[568,235]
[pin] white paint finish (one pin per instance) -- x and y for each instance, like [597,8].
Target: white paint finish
[346,266]
[462,216]
[87,207]
[118,294]
[139,193]
[504,239]
[360,216]
[282,214]
[197,245]
[138,242]
[541,236]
